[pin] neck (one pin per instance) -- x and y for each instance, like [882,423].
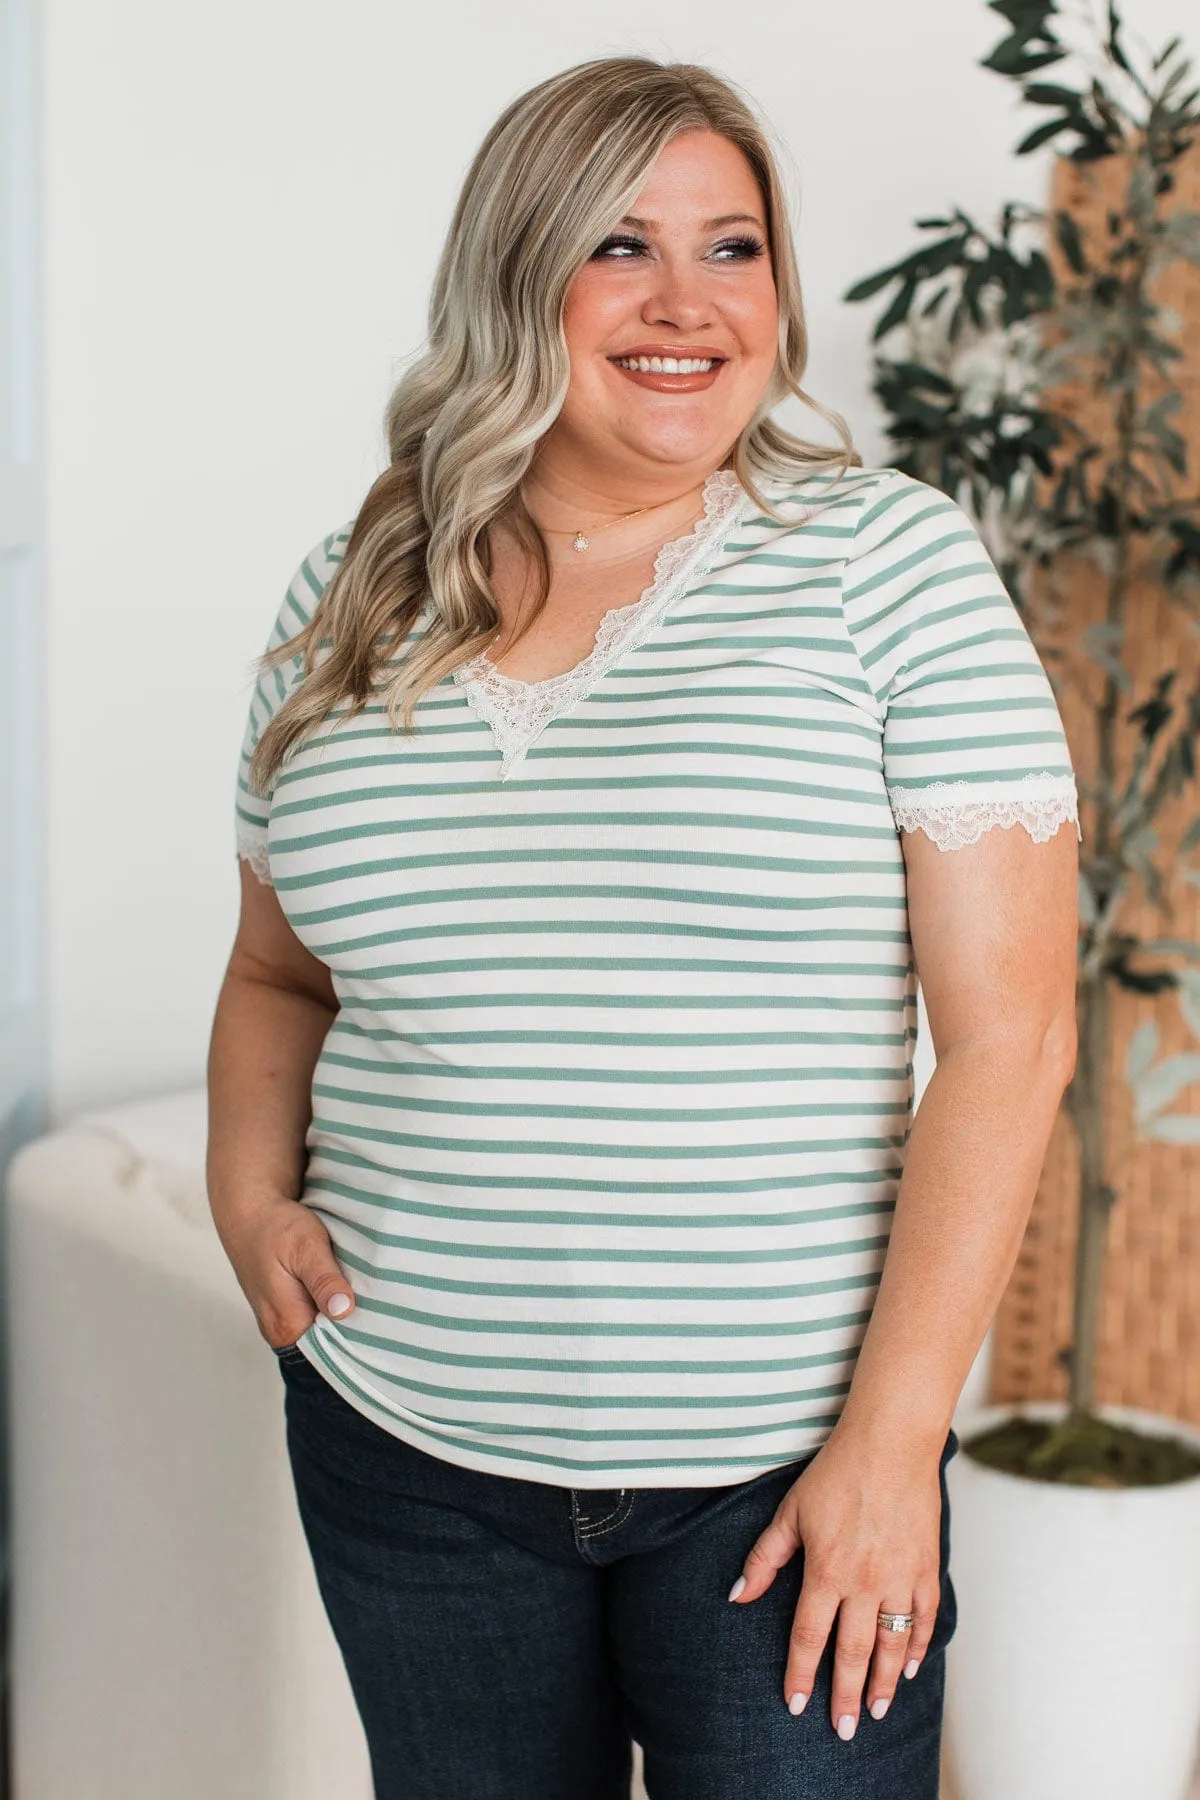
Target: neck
[564,497]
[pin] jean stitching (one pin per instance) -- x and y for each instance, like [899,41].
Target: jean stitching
[588,1525]
[582,1525]
[618,1516]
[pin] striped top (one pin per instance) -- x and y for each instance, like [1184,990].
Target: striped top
[608,1128]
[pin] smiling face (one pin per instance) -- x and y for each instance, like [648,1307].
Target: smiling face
[685,274]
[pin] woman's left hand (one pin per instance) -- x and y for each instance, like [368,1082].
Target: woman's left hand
[869,1524]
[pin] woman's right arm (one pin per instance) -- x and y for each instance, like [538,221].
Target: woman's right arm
[275,1006]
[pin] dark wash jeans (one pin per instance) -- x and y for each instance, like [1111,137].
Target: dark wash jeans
[505,1639]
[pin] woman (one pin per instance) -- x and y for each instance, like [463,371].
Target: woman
[609,779]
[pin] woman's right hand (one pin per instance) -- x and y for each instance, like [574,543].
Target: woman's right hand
[284,1262]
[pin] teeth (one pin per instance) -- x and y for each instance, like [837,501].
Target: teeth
[667,365]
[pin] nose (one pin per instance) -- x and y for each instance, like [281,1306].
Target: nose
[677,296]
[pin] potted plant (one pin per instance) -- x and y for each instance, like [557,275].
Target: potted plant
[1075,1669]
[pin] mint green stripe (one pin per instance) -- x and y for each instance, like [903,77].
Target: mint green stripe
[534,1108]
[527,1034]
[594,890]
[540,1253]
[755,1002]
[767,1365]
[534,1072]
[657,1328]
[501,1452]
[532,1216]
[576,1184]
[415,1140]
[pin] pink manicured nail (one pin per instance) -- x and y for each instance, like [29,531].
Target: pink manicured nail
[339,1304]
[911,1667]
[798,1702]
[737,1587]
[845,1727]
[878,1708]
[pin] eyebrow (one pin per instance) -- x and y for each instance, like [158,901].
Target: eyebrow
[709,224]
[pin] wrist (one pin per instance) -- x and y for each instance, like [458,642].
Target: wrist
[910,1436]
[239,1207]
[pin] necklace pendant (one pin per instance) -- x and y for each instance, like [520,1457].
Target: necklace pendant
[579,542]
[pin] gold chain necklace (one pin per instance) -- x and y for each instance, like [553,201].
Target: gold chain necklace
[581,541]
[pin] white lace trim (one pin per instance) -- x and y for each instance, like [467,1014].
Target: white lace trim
[252,848]
[519,711]
[956,813]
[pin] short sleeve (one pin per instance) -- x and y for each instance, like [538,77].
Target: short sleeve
[252,812]
[972,734]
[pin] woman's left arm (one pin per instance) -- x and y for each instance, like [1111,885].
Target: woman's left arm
[993,927]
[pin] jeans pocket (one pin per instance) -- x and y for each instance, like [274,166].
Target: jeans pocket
[289,1352]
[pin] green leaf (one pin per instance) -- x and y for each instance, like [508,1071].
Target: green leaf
[1140,194]
[1109,115]
[1181,234]
[1174,1128]
[1189,1001]
[1041,281]
[897,312]
[1143,1048]
[1162,1085]
[1070,242]
[1114,45]
[1010,59]
[1044,93]
[924,376]
[1042,135]
[1027,17]
[871,284]
[1087,903]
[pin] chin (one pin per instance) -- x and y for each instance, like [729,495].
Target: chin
[707,436]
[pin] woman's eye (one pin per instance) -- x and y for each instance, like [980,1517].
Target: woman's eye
[619,243]
[743,249]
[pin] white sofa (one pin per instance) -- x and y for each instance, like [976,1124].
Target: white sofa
[168,1637]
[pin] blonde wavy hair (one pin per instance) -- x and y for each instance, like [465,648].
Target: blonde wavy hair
[560,164]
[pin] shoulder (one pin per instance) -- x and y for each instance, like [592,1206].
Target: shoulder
[858,510]
[310,578]
[903,518]
[917,575]
[315,571]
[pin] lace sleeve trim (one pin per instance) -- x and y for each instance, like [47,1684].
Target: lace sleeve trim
[252,848]
[956,813]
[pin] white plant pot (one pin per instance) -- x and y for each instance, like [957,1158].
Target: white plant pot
[1074,1672]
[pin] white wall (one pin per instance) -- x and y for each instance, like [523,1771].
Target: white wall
[243,205]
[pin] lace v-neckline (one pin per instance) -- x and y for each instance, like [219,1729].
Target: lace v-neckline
[517,712]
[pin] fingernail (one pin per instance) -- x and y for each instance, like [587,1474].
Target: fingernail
[846,1727]
[737,1587]
[339,1304]
[878,1708]
[798,1702]
[911,1667]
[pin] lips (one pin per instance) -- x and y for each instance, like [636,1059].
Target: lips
[671,380]
[655,356]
